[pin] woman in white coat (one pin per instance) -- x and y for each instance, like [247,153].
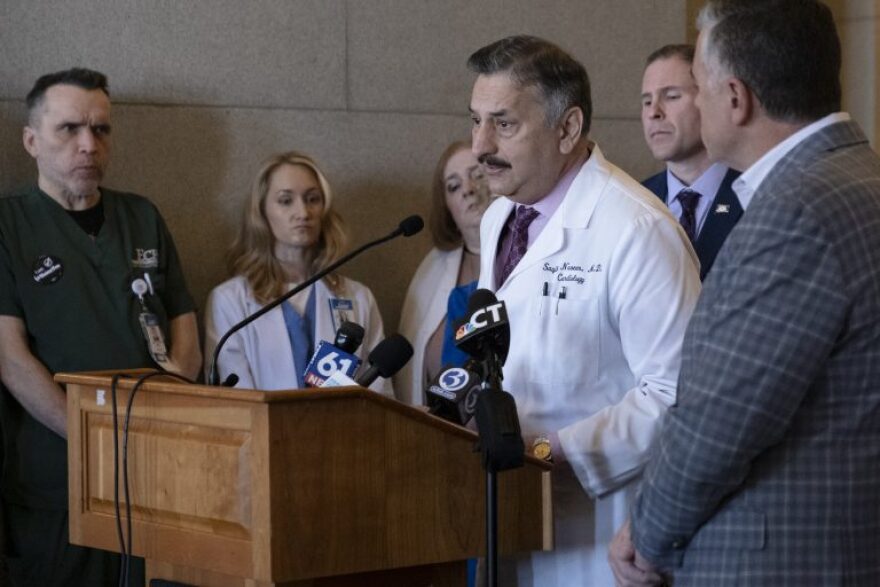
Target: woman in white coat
[448,274]
[289,232]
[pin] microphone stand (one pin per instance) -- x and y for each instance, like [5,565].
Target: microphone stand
[492,386]
[214,377]
[491,523]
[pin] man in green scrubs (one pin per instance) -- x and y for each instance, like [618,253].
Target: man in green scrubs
[72,257]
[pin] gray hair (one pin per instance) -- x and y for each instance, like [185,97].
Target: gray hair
[532,61]
[786,51]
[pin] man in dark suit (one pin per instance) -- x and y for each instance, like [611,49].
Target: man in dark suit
[767,470]
[697,191]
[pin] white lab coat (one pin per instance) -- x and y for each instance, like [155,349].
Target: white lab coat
[423,310]
[260,353]
[599,363]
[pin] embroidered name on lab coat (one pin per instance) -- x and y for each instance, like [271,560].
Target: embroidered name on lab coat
[571,273]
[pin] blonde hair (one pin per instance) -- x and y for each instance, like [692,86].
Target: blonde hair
[252,254]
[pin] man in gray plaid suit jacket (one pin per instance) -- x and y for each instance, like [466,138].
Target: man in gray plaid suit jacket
[767,471]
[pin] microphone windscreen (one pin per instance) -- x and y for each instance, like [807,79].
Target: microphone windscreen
[391,355]
[411,225]
[480,299]
[349,337]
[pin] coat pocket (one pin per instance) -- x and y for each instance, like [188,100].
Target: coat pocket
[567,340]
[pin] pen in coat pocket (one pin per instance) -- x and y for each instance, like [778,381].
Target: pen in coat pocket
[545,291]
[561,296]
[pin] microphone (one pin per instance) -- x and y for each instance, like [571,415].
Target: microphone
[452,395]
[501,442]
[484,333]
[349,337]
[386,359]
[338,356]
[408,227]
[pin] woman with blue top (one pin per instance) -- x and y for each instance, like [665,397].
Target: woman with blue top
[289,232]
[439,291]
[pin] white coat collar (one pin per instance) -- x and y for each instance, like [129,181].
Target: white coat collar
[321,291]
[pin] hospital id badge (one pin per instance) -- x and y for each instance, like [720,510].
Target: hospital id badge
[154,337]
[340,310]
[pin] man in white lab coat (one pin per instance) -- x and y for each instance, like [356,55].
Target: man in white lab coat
[599,282]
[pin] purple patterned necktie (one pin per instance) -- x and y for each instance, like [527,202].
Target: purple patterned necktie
[519,239]
[688,220]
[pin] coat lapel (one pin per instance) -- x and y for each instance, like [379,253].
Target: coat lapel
[574,212]
[722,217]
[834,136]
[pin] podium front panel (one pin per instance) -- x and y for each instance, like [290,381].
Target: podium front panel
[289,486]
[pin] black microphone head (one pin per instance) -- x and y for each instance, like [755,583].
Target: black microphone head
[411,225]
[453,393]
[391,355]
[349,337]
[480,299]
[484,329]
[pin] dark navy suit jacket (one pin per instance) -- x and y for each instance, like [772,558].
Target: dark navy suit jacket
[722,217]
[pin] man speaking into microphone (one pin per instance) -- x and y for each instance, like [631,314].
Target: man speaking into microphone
[599,282]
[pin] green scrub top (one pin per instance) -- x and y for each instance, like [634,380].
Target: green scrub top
[74,294]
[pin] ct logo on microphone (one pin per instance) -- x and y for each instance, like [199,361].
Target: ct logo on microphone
[454,379]
[480,319]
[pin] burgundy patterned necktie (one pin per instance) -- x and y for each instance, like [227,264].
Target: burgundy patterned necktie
[519,239]
[689,200]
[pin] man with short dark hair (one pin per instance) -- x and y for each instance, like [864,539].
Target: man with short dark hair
[581,254]
[697,191]
[89,279]
[766,470]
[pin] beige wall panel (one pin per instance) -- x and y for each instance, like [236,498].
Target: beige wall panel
[859,77]
[268,53]
[16,167]
[623,144]
[410,55]
[860,8]
[197,165]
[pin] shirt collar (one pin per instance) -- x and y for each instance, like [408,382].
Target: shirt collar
[706,185]
[547,205]
[748,183]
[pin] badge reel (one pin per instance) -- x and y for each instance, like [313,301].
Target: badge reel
[149,321]
[340,310]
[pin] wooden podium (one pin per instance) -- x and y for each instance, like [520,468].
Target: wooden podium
[302,488]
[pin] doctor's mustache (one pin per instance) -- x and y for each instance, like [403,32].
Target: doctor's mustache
[492,161]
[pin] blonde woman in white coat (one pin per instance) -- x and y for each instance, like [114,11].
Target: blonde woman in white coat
[459,196]
[289,232]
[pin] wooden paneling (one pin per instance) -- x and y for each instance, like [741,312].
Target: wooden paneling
[280,487]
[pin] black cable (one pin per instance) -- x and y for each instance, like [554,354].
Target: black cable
[122,548]
[134,390]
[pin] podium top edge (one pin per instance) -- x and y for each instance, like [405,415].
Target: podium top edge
[171,385]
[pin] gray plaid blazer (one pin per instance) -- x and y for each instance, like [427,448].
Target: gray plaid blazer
[767,471]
